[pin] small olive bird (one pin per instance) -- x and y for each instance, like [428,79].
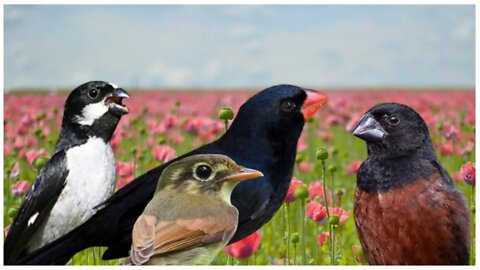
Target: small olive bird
[190,218]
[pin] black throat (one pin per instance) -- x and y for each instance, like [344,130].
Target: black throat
[74,134]
[381,172]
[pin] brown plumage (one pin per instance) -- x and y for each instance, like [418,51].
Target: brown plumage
[424,217]
[190,218]
[407,209]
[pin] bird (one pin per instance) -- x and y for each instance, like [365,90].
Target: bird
[79,176]
[407,210]
[190,218]
[263,136]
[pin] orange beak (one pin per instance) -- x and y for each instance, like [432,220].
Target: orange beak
[314,101]
[243,174]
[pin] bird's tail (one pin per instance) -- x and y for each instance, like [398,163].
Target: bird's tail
[58,252]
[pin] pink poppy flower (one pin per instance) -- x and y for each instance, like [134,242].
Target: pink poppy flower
[342,214]
[290,197]
[316,211]
[31,155]
[20,188]
[468,173]
[15,170]
[163,153]
[304,166]
[353,167]
[322,237]
[316,189]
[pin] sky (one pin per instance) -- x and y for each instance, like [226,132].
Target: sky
[185,46]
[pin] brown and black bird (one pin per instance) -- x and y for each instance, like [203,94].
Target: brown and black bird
[407,209]
[190,218]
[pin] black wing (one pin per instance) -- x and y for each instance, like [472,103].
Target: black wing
[111,226]
[38,202]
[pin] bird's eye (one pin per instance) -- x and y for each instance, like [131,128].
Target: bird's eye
[203,172]
[287,106]
[393,119]
[93,93]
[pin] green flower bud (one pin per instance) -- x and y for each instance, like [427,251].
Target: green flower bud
[143,131]
[298,158]
[12,212]
[301,192]
[339,192]
[39,162]
[177,103]
[439,126]
[225,114]
[162,140]
[334,220]
[332,168]
[40,116]
[134,151]
[334,151]
[38,132]
[317,198]
[295,238]
[322,153]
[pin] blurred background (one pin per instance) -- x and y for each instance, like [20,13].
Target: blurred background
[237,46]
[354,54]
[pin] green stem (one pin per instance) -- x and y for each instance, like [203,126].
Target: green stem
[294,254]
[325,188]
[134,167]
[332,256]
[332,188]
[226,125]
[304,253]
[315,259]
[288,234]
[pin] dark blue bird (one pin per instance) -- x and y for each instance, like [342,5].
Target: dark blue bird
[263,136]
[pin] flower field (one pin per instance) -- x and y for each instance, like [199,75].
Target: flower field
[164,124]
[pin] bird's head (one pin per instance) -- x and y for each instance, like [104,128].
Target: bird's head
[393,129]
[201,174]
[280,111]
[91,101]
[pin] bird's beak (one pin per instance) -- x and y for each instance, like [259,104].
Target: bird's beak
[243,174]
[114,101]
[369,129]
[314,101]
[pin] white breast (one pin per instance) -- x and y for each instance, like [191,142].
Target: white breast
[90,181]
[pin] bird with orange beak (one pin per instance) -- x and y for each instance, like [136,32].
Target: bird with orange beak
[263,136]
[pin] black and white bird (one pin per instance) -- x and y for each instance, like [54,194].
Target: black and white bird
[79,176]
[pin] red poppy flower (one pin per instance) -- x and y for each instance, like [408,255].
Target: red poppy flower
[244,248]
[316,211]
